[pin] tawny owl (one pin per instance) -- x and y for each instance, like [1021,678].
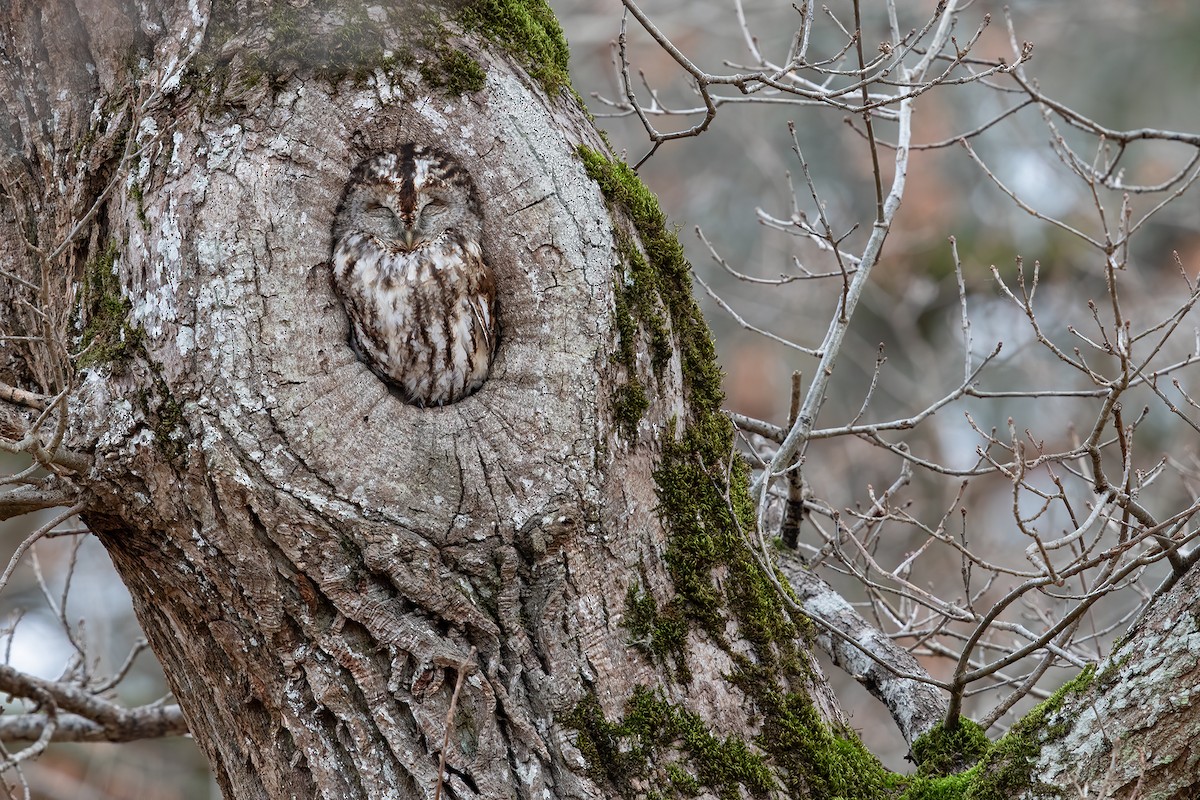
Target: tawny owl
[408,266]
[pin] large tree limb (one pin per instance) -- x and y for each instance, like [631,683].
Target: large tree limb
[889,672]
[1129,726]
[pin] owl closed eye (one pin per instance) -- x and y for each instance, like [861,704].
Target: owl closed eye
[409,269]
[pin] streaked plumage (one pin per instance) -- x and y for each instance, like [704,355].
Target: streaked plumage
[408,266]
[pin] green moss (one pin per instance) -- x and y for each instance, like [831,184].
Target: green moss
[600,743]
[640,295]
[816,762]
[625,755]
[454,71]
[1008,766]
[135,194]
[164,416]
[684,783]
[661,634]
[943,751]
[657,748]
[629,404]
[528,30]
[108,338]
[951,787]
[1111,672]
[702,488]
[705,504]
[627,329]
[636,294]
[658,278]
[662,276]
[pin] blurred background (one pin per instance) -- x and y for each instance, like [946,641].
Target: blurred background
[68,581]
[1125,65]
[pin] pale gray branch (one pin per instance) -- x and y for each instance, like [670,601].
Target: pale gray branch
[98,719]
[889,672]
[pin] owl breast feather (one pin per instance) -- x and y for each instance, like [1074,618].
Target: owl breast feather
[423,320]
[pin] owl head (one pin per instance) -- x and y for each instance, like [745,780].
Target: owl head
[408,198]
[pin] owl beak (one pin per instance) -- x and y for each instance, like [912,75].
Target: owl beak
[410,237]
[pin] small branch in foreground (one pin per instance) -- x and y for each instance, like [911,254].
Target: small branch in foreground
[20,553]
[26,499]
[143,722]
[793,513]
[21,397]
[464,668]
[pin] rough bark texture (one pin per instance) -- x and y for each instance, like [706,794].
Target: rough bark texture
[315,562]
[1131,726]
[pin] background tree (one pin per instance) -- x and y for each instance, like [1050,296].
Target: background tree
[564,583]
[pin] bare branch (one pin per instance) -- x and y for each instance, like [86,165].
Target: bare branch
[48,493]
[21,397]
[142,722]
[32,538]
[888,672]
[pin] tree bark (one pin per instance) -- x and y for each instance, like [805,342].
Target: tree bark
[1130,725]
[345,590]
[549,589]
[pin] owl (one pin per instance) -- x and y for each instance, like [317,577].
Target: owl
[408,266]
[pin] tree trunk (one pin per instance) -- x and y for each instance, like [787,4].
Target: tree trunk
[547,589]
[543,585]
